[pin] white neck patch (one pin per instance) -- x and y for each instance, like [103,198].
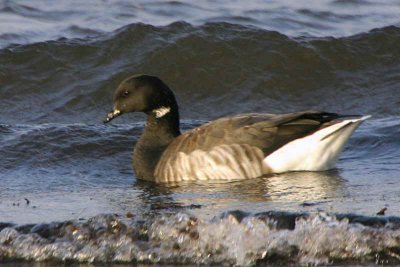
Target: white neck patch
[160,112]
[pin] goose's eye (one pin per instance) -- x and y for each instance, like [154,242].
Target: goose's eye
[126,93]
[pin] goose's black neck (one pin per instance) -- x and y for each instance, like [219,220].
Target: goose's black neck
[158,133]
[162,129]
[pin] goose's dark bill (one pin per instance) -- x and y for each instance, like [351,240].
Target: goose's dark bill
[112,115]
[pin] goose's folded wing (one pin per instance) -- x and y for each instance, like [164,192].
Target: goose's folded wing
[267,132]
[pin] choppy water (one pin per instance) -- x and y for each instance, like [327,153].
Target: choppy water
[60,62]
[25,22]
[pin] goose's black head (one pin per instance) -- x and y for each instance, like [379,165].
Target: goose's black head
[143,93]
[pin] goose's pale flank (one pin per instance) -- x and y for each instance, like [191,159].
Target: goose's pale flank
[238,147]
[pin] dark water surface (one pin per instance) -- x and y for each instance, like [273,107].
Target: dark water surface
[61,61]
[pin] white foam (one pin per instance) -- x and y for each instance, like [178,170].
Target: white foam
[183,239]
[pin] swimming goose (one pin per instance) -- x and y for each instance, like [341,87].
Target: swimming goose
[238,147]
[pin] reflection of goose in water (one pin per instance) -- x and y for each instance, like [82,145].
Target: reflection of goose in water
[286,190]
[305,186]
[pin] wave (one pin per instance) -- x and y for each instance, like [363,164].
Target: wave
[234,238]
[227,68]
[34,22]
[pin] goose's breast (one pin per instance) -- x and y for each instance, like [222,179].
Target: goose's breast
[223,162]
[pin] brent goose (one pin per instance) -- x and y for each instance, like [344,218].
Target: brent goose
[238,147]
